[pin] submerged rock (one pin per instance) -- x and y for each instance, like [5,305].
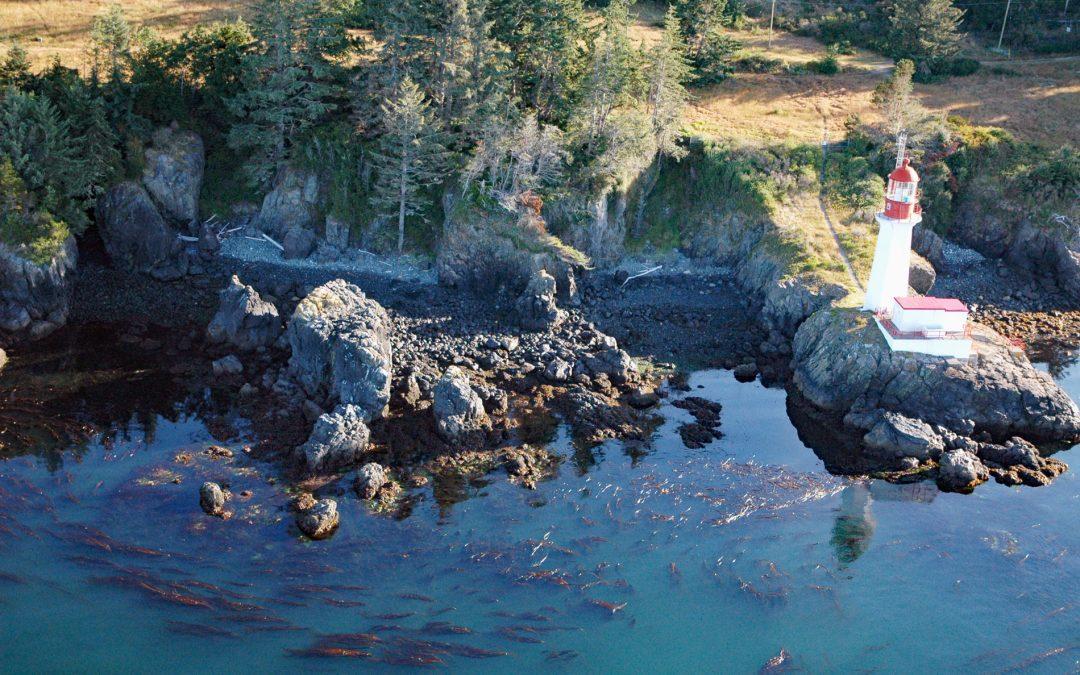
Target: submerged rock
[338,440]
[536,306]
[244,319]
[35,299]
[340,343]
[370,479]
[173,173]
[319,520]
[212,499]
[136,237]
[458,409]
[960,471]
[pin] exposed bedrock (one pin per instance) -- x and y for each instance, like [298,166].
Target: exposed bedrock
[338,440]
[173,173]
[293,203]
[459,410]
[910,408]
[136,237]
[35,299]
[244,319]
[341,347]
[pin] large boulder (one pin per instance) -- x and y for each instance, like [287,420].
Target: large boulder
[536,308]
[173,173]
[960,471]
[340,343]
[298,244]
[338,440]
[370,479]
[609,360]
[459,410]
[842,363]
[896,436]
[921,274]
[35,298]
[244,319]
[319,520]
[136,237]
[292,203]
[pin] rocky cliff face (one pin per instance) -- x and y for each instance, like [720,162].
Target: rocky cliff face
[35,299]
[293,203]
[1000,229]
[910,408]
[173,173]
[136,237]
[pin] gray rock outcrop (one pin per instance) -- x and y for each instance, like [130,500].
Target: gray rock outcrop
[370,479]
[173,173]
[842,363]
[609,360]
[921,274]
[212,499]
[340,343]
[914,407]
[319,520]
[244,319]
[960,471]
[536,308]
[136,237]
[929,245]
[338,440]
[292,203]
[459,410]
[35,299]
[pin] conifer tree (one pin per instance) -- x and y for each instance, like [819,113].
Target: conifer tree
[410,155]
[668,70]
[15,68]
[893,97]
[700,20]
[614,76]
[288,83]
[111,39]
[926,31]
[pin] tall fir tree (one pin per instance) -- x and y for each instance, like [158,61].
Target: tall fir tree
[410,155]
[546,39]
[15,67]
[111,39]
[289,83]
[614,75]
[926,31]
[668,71]
[893,97]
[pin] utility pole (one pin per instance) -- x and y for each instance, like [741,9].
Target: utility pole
[772,15]
[1002,35]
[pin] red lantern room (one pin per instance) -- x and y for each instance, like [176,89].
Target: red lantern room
[902,193]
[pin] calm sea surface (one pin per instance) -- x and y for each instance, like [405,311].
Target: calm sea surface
[631,559]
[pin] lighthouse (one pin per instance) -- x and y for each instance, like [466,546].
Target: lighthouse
[926,325]
[892,254]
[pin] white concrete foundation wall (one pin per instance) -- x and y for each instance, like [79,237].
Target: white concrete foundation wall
[911,321]
[957,349]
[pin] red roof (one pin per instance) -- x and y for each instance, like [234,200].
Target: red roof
[926,303]
[904,173]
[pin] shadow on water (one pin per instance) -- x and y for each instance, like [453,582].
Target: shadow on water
[84,382]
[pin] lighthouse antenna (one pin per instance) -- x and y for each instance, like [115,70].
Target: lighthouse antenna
[901,146]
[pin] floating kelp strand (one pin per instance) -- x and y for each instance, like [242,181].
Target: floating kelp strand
[199,630]
[328,652]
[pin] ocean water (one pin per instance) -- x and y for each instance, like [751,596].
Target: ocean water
[631,558]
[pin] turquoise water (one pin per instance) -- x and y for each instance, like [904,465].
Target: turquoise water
[711,559]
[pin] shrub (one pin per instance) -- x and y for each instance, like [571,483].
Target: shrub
[826,65]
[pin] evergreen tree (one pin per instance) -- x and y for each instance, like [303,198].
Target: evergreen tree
[111,39]
[926,31]
[15,68]
[668,69]
[410,156]
[546,39]
[614,76]
[893,97]
[288,83]
[700,20]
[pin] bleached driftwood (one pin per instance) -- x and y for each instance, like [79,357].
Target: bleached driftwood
[639,274]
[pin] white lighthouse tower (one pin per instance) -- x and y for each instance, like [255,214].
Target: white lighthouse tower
[926,325]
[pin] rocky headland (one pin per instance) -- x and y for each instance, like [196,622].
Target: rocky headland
[915,411]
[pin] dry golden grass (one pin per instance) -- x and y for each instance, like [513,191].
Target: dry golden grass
[61,28]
